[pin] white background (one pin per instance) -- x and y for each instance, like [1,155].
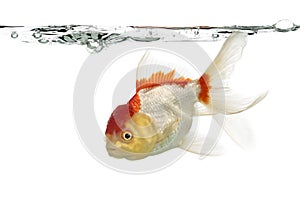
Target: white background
[41,154]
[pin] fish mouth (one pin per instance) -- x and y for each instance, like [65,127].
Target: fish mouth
[120,153]
[110,147]
[113,151]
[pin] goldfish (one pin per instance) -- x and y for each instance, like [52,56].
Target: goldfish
[159,115]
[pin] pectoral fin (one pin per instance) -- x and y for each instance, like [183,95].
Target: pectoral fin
[201,145]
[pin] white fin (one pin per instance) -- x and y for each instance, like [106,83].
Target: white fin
[234,102]
[201,145]
[222,99]
[225,100]
[230,53]
[239,130]
[155,68]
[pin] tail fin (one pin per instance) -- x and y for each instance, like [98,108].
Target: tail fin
[215,94]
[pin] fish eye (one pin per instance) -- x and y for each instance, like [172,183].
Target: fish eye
[127,136]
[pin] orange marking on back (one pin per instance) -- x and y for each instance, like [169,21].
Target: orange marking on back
[134,104]
[204,93]
[161,78]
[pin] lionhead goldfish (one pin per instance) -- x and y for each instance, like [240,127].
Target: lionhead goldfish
[159,116]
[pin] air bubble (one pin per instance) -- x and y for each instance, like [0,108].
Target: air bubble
[94,47]
[284,25]
[68,39]
[83,38]
[43,40]
[37,35]
[94,36]
[14,34]
[214,35]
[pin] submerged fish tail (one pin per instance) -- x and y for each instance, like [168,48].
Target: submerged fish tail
[215,94]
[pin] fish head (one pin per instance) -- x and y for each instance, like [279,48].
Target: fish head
[130,135]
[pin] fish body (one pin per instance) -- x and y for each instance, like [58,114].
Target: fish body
[159,116]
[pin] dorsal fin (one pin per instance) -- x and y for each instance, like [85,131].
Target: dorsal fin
[160,78]
[159,67]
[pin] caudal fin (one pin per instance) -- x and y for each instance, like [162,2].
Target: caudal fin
[215,94]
